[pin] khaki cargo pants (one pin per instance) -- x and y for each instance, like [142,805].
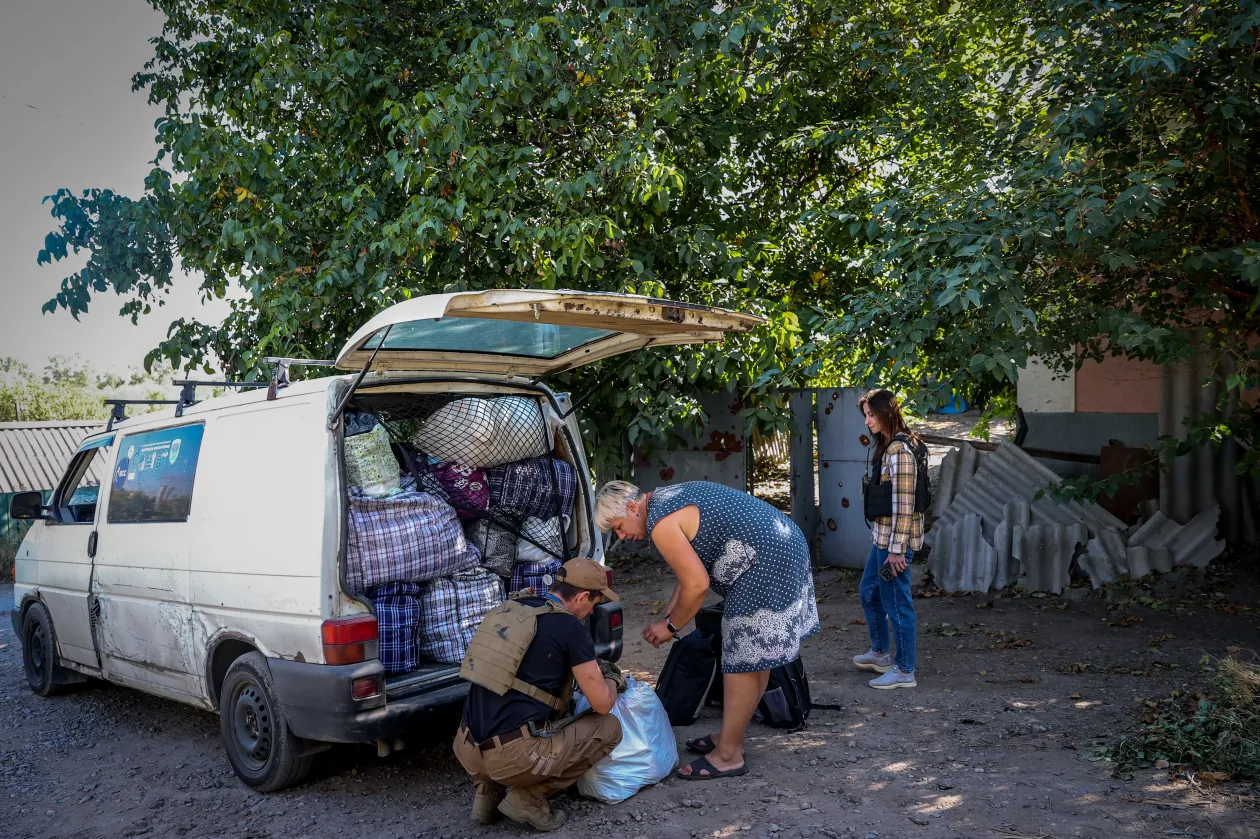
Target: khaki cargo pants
[536,767]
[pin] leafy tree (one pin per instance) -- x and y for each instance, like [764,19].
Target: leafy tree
[67,389]
[1073,179]
[60,394]
[330,159]
[903,189]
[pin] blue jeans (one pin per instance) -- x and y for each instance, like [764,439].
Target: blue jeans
[889,601]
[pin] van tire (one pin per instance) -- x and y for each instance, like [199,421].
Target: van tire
[256,736]
[44,672]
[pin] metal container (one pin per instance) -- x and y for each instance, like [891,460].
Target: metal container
[843,443]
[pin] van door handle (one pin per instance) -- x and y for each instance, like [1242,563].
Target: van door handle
[92,545]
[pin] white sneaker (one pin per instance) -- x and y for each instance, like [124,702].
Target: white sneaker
[894,678]
[873,661]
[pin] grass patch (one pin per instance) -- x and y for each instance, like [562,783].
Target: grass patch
[1216,730]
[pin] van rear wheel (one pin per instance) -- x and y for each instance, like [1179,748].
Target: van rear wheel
[260,747]
[39,652]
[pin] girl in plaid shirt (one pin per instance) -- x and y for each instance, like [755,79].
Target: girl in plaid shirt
[886,596]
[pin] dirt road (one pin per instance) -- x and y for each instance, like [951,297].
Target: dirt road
[1014,701]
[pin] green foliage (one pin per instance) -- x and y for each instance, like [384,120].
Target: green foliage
[1217,730]
[61,393]
[1001,408]
[331,159]
[10,541]
[1068,180]
[67,390]
[906,190]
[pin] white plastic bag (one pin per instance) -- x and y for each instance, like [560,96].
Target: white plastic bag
[646,754]
[370,463]
[546,532]
[482,433]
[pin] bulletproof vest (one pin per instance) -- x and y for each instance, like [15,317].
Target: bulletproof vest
[499,646]
[877,493]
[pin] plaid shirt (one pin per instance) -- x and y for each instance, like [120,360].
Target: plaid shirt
[453,609]
[398,625]
[408,537]
[904,529]
[526,487]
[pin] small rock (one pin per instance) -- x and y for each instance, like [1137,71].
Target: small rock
[1161,764]
[919,820]
[812,811]
[872,836]
[978,770]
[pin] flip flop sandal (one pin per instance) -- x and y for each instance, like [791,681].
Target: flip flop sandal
[701,745]
[701,764]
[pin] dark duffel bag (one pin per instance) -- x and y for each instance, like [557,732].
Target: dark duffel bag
[688,674]
[786,703]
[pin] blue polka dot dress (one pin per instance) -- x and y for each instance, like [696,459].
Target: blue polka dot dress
[758,559]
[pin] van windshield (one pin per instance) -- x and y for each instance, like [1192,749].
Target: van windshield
[487,336]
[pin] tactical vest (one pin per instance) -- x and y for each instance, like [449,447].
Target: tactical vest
[877,493]
[499,646]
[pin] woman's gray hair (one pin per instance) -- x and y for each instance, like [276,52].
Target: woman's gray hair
[611,501]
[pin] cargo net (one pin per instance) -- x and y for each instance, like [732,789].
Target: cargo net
[490,458]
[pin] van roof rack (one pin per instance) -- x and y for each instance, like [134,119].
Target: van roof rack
[118,411]
[281,365]
[188,395]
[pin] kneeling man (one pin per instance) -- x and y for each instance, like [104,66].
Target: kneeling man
[523,663]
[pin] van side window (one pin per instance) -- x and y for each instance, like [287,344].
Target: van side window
[76,499]
[153,479]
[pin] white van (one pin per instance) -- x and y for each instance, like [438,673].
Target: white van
[209,566]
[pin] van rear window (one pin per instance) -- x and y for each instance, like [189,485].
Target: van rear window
[153,479]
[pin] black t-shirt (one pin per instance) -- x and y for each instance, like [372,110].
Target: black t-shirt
[561,642]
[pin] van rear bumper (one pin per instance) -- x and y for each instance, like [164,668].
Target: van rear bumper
[318,703]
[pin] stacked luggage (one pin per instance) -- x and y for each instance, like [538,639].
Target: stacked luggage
[473,505]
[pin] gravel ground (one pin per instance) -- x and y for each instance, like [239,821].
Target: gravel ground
[1016,696]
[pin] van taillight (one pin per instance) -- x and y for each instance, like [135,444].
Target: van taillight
[346,639]
[608,571]
[614,620]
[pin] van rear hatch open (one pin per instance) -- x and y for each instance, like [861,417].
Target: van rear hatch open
[527,332]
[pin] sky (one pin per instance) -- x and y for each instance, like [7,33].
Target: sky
[68,118]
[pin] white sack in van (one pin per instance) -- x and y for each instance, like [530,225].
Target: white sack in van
[410,537]
[485,432]
[370,464]
[647,751]
[452,609]
[540,539]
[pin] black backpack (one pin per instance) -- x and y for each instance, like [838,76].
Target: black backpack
[786,703]
[689,672]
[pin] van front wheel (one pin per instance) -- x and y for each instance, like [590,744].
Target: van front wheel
[260,747]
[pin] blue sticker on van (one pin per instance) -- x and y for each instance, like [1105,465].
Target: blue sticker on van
[153,481]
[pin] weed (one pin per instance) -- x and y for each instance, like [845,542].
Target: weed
[1216,730]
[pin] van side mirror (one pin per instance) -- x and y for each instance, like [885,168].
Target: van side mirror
[27,505]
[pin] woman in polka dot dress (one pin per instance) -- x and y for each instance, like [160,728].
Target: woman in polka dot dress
[748,552]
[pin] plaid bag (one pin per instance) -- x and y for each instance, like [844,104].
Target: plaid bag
[464,488]
[398,625]
[535,575]
[409,537]
[453,609]
[495,539]
[526,486]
